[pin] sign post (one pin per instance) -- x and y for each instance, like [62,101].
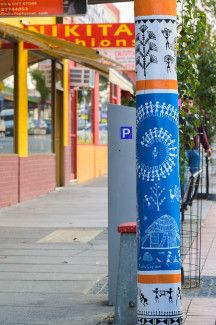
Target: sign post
[158,185]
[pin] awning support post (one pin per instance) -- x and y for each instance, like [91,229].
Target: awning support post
[21,100]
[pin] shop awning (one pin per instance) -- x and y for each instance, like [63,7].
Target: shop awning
[7,62]
[61,49]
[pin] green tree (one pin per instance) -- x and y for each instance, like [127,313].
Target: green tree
[40,85]
[191,32]
[206,91]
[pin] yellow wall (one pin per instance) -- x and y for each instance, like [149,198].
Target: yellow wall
[92,161]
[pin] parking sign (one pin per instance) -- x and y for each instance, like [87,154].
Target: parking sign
[126,132]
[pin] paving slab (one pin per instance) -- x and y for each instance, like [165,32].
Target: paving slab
[73,207]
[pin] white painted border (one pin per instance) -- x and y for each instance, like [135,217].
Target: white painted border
[157,91]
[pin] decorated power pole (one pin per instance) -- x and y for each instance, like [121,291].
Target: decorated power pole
[158,185]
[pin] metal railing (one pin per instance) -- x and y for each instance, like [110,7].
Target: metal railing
[191,220]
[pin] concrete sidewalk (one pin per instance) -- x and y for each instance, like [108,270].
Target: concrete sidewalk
[200,303]
[53,258]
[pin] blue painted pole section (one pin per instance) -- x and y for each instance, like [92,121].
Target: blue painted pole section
[158,184]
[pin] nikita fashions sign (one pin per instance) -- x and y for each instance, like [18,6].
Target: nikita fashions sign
[18,8]
[114,35]
[91,35]
[114,40]
[157,144]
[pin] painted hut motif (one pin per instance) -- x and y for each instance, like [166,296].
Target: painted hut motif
[162,233]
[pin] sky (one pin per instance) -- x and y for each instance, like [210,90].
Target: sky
[126,11]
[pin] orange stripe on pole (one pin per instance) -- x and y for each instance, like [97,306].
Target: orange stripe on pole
[152,7]
[156,84]
[159,278]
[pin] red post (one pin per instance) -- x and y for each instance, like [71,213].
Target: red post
[74,101]
[115,94]
[95,110]
[118,95]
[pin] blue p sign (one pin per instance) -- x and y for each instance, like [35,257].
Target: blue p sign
[126,132]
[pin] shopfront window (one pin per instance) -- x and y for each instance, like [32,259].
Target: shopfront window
[39,107]
[104,89]
[84,125]
[6,97]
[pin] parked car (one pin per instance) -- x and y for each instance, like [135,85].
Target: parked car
[103,135]
[82,124]
[2,127]
[37,127]
[85,135]
[7,115]
[49,126]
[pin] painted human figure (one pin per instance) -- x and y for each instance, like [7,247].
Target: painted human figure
[178,295]
[168,59]
[162,293]
[166,33]
[156,291]
[143,299]
[155,152]
[170,291]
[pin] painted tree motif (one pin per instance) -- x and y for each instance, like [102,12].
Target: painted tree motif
[156,197]
[145,46]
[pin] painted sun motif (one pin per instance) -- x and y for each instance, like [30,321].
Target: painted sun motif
[151,167]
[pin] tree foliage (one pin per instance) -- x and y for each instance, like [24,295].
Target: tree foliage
[210,6]
[191,32]
[40,84]
[206,91]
